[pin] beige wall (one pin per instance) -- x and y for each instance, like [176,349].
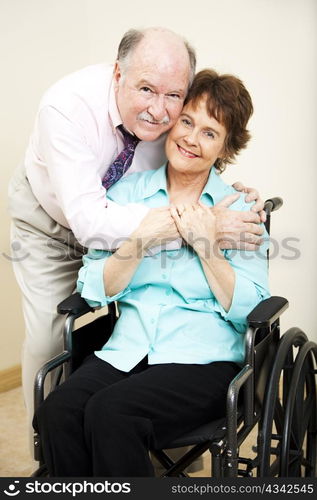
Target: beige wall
[270,44]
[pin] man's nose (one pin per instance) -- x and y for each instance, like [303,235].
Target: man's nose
[157,107]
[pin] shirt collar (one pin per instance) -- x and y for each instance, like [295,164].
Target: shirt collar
[215,187]
[157,182]
[113,108]
[114,113]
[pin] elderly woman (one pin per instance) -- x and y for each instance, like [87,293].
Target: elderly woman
[179,339]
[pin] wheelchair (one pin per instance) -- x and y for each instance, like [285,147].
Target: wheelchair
[275,390]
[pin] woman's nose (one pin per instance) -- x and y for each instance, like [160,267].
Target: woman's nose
[191,137]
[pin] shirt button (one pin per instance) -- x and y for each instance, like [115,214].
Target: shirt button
[168,292]
[164,276]
[152,321]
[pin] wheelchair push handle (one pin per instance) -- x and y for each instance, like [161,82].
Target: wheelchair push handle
[273,204]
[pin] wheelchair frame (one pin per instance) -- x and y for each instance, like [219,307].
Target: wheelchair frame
[278,381]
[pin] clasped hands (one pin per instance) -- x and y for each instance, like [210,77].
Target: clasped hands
[226,229]
[197,224]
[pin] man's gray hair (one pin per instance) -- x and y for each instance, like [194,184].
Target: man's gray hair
[133,37]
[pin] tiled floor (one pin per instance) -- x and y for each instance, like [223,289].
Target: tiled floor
[15,456]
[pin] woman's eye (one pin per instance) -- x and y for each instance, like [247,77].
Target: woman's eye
[186,122]
[210,134]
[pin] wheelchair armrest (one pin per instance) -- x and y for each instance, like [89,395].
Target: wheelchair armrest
[267,311]
[232,404]
[74,304]
[42,373]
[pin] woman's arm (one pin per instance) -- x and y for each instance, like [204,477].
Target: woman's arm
[197,226]
[121,266]
[157,227]
[219,274]
[238,279]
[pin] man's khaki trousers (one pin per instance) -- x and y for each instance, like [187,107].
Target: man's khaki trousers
[46,258]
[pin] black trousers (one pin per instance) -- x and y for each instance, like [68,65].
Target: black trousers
[103,422]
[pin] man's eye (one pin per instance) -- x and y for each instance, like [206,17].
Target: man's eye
[174,96]
[145,89]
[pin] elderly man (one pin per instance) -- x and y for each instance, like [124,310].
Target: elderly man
[92,127]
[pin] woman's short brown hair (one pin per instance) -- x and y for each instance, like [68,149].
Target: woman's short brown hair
[229,102]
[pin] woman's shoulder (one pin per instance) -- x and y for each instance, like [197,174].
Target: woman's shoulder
[227,190]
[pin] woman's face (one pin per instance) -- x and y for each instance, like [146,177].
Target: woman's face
[196,140]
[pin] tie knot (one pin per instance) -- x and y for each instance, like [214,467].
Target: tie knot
[128,139]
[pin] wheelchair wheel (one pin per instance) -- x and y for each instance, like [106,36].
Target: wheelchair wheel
[289,416]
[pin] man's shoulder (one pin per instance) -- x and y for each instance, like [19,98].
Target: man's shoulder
[88,84]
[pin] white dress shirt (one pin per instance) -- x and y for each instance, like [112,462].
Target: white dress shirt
[74,142]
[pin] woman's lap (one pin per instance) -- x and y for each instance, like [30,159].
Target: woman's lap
[173,396]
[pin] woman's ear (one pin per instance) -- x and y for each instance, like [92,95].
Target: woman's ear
[223,154]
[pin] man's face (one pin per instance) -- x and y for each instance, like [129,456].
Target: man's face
[150,99]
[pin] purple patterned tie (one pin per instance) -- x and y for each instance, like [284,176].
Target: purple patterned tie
[123,160]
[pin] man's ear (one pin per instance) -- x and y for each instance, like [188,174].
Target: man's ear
[117,74]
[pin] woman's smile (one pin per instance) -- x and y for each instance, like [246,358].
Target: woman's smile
[186,152]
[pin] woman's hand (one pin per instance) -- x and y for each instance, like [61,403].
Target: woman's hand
[158,227]
[196,224]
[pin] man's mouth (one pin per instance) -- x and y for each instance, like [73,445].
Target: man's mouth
[151,123]
[186,153]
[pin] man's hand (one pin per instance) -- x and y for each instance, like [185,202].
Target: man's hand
[234,229]
[157,228]
[252,195]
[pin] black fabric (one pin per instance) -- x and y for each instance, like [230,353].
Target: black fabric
[102,421]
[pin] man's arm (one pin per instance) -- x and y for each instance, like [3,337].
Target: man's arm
[76,183]
[105,277]
[157,228]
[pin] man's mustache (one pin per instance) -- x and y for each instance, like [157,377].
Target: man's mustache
[146,116]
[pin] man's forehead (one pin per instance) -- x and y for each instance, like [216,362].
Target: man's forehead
[154,76]
[160,64]
[160,82]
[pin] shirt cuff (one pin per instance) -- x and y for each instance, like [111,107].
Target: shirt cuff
[90,284]
[245,298]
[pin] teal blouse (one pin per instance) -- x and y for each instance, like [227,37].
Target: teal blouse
[168,310]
